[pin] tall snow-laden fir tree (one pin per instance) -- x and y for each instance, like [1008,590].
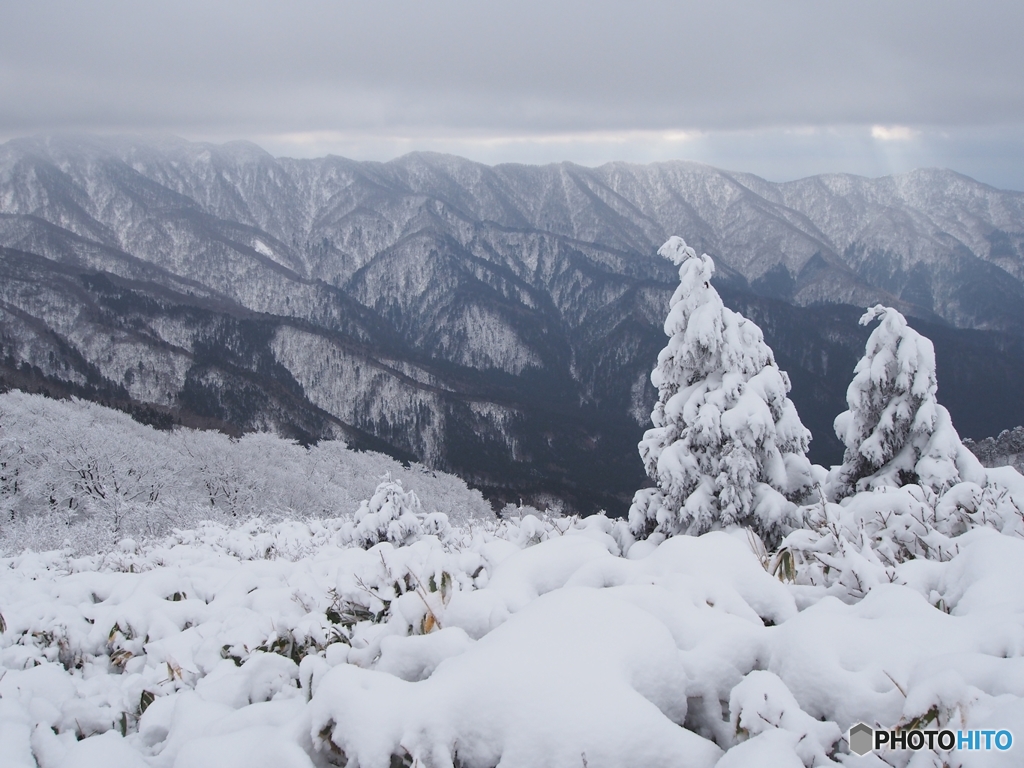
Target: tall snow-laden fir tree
[727,445]
[895,431]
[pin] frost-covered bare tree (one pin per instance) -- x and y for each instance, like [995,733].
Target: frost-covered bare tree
[727,446]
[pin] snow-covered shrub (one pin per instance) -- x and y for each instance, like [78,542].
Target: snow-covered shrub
[859,543]
[763,709]
[895,431]
[437,524]
[727,445]
[524,526]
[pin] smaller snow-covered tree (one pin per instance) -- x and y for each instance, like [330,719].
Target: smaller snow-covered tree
[727,445]
[895,431]
[394,514]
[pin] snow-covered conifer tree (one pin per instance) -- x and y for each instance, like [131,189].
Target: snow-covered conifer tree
[895,431]
[727,445]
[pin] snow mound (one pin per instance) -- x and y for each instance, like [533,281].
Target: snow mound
[579,671]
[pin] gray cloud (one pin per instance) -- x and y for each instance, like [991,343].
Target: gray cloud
[391,74]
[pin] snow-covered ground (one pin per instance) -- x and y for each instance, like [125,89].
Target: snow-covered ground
[530,643]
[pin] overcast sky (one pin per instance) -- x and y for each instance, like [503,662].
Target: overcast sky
[783,89]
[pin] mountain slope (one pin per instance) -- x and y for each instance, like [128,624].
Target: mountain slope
[497,321]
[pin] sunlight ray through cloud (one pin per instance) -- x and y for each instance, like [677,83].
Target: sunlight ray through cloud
[893,133]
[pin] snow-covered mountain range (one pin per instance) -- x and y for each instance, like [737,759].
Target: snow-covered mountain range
[496,321]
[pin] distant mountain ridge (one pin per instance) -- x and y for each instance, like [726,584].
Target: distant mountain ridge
[495,321]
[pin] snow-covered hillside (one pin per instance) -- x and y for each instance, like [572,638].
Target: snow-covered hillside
[80,475]
[291,223]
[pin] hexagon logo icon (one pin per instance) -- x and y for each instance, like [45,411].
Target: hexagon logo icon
[861,738]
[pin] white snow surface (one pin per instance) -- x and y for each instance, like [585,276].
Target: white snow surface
[530,643]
